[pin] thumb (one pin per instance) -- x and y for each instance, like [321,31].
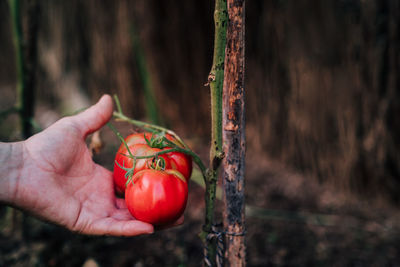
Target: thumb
[95,116]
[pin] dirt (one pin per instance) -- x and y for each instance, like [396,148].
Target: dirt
[292,221]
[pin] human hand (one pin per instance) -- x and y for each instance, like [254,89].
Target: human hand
[60,183]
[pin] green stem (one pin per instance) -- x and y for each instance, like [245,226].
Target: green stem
[189,152]
[119,115]
[194,156]
[118,134]
[197,160]
[145,75]
[118,104]
[215,80]
[25,43]
[17,37]
[216,77]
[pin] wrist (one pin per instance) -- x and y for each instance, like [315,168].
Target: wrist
[11,164]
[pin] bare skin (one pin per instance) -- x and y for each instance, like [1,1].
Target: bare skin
[52,176]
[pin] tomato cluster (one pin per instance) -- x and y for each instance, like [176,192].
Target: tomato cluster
[157,189]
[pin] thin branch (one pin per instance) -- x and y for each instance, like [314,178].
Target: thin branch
[175,148]
[25,43]
[118,104]
[118,134]
[119,115]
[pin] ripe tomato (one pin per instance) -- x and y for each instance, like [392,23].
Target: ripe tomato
[157,197]
[138,146]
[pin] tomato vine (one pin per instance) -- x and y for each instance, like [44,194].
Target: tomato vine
[157,131]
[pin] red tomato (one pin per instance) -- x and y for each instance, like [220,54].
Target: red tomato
[157,197]
[139,147]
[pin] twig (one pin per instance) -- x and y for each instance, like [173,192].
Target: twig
[155,128]
[119,115]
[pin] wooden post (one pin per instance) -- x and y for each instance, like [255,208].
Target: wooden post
[234,136]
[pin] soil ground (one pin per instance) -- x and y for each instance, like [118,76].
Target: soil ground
[291,221]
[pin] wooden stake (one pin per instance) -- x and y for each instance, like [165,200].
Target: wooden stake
[234,136]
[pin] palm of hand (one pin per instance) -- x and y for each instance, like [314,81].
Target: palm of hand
[78,193]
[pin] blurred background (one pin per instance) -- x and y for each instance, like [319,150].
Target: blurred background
[322,114]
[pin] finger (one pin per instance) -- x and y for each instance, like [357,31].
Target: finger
[94,117]
[111,226]
[122,214]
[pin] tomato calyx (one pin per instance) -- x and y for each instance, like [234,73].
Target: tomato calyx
[158,164]
[160,140]
[178,144]
[157,140]
[149,150]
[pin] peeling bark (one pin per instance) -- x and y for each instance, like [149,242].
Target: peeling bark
[234,136]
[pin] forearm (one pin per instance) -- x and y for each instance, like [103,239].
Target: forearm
[11,164]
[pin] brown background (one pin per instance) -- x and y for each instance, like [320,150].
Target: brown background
[322,82]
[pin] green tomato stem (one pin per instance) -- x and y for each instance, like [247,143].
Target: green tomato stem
[154,128]
[119,115]
[216,81]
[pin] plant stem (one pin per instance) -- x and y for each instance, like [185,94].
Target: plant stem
[145,76]
[215,80]
[119,115]
[194,156]
[155,128]
[25,45]
[175,148]
[19,60]
[26,60]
